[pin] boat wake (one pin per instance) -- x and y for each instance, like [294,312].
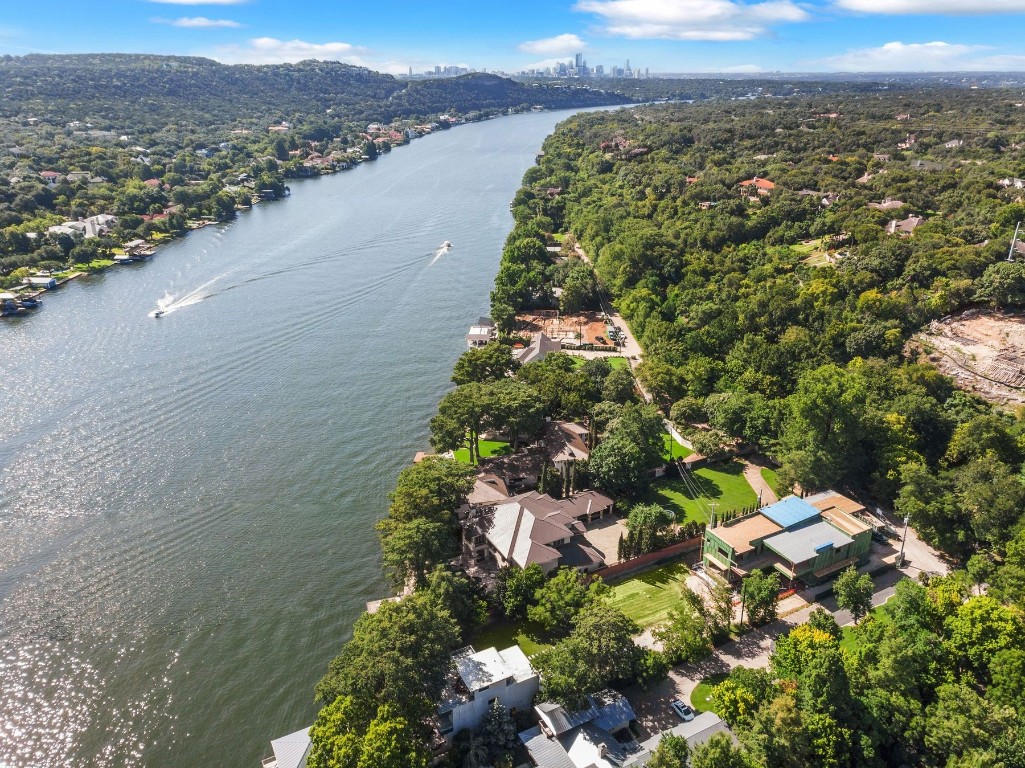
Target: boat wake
[444,248]
[169,303]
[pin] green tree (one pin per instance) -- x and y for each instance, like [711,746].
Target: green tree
[759,593]
[497,731]
[336,737]
[410,550]
[648,523]
[391,741]
[492,362]
[618,465]
[720,752]
[854,592]
[462,415]
[562,597]
[618,386]
[672,752]
[431,489]
[981,628]
[517,587]
[685,635]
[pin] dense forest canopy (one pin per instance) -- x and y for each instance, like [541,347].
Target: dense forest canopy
[780,310]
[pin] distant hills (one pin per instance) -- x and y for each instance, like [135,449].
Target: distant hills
[123,90]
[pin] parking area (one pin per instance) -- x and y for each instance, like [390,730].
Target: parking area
[603,535]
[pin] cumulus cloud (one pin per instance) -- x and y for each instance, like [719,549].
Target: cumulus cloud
[945,7]
[270,50]
[199,22]
[560,45]
[922,57]
[693,19]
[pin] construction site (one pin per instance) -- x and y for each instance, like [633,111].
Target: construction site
[572,330]
[983,351]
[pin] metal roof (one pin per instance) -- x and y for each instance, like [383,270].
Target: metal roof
[790,512]
[806,543]
[290,751]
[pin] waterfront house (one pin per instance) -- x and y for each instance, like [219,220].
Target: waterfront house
[534,528]
[810,539]
[481,333]
[41,281]
[480,677]
[598,736]
[539,349]
[289,751]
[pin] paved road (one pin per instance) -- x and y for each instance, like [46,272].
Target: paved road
[751,650]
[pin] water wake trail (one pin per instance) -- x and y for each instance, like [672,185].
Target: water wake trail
[169,303]
[445,248]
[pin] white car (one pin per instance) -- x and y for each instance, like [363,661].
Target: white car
[685,712]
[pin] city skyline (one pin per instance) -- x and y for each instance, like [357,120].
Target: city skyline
[727,36]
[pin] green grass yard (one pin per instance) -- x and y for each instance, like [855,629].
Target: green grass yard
[723,484]
[530,637]
[647,597]
[770,477]
[488,448]
[615,362]
[673,449]
[701,697]
[853,638]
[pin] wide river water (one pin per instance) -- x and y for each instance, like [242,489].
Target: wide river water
[187,503]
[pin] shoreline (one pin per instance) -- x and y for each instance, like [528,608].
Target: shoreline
[16,294]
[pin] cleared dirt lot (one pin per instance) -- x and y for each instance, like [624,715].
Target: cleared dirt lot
[984,352]
[589,326]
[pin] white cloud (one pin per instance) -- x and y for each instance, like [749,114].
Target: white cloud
[692,19]
[560,45]
[923,57]
[199,22]
[270,50]
[742,69]
[945,7]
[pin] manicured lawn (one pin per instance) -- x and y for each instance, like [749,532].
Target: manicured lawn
[723,484]
[95,265]
[769,476]
[807,248]
[487,448]
[700,699]
[673,449]
[647,597]
[615,362]
[505,635]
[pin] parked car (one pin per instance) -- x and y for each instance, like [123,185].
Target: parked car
[684,711]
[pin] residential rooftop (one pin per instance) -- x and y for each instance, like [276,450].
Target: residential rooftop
[806,543]
[790,511]
[739,534]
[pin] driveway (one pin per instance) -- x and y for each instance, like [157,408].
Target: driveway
[604,535]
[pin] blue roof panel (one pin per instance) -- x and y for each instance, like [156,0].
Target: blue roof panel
[791,512]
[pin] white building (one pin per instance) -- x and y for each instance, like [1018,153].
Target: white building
[289,751]
[481,333]
[480,678]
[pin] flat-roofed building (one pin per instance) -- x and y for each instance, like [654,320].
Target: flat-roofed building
[808,539]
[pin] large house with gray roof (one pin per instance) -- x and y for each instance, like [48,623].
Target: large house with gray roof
[535,528]
[595,737]
[810,539]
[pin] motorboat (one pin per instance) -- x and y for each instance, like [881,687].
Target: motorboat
[158,313]
[447,244]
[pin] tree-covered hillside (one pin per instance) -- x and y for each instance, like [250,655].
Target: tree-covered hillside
[779,310]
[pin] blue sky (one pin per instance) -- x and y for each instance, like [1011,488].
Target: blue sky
[662,35]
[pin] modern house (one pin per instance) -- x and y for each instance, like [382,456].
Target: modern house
[595,737]
[480,677]
[810,539]
[535,528]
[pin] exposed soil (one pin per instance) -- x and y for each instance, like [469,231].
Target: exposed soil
[564,328]
[983,351]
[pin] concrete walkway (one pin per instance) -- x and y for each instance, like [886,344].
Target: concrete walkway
[753,475]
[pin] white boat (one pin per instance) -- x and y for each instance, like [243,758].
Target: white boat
[447,244]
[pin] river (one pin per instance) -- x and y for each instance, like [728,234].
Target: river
[187,502]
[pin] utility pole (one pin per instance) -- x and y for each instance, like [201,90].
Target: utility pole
[904,538]
[743,602]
